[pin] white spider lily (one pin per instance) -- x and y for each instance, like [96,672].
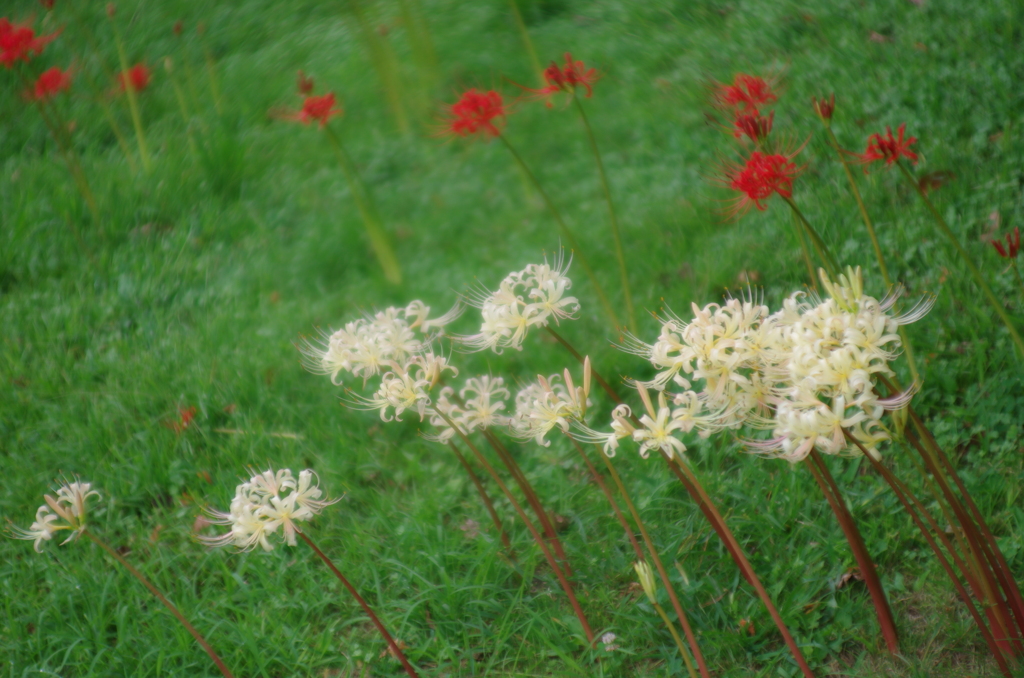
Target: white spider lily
[66,511]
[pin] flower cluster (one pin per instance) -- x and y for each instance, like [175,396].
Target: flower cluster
[50,82]
[320,109]
[136,78]
[759,178]
[386,344]
[476,113]
[889,148]
[477,407]
[66,511]
[524,299]
[268,501]
[746,94]
[17,42]
[566,78]
[806,372]
[550,402]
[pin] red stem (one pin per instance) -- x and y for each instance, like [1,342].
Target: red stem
[853,537]
[159,596]
[485,497]
[395,650]
[705,504]
[531,497]
[566,586]
[690,637]
[964,595]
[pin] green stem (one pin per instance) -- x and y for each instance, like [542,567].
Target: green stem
[183,108]
[566,232]
[159,596]
[612,216]
[392,645]
[552,563]
[1016,276]
[690,637]
[819,245]
[133,103]
[978,277]
[907,348]
[675,637]
[485,497]
[799,229]
[364,203]
[525,36]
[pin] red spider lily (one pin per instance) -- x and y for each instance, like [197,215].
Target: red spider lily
[761,176]
[137,77]
[50,83]
[47,4]
[753,126]
[746,94]
[303,84]
[1012,244]
[476,113]
[320,109]
[825,108]
[16,42]
[567,78]
[889,148]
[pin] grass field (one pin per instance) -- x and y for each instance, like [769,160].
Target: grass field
[200,277]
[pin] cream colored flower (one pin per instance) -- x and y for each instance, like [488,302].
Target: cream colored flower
[66,511]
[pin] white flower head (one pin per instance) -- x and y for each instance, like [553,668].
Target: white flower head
[268,501]
[528,298]
[66,511]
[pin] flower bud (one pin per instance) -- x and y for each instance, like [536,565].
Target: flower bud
[646,577]
[825,108]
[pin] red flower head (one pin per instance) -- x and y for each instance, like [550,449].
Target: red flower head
[762,175]
[1012,244]
[17,41]
[476,113]
[137,77]
[746,94]
[47,4]
[303,84]
[566,78]
[320,109]
[187,415]
[889,148]
[50,83]
[753,126]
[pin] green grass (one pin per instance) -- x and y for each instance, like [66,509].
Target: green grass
[202,276]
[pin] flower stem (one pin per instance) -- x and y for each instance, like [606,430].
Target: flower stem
[899,490]
[133,102]
[799,229]
[159,596]
[608,495]
[485,497]
[576,354]
[392,645]
[532,498]
[978,277]
[853,537]
[612,216]
[566,586]
[827,261]
[525,36]
[704,503]
[371,220]
[186,116]
[675,637]
[690,637]
[1016,276]
[907,349]
[566,232]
